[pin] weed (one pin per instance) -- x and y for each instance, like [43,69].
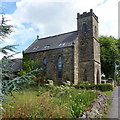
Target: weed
[55,102]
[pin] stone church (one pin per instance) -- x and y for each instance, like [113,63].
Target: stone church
[73,56]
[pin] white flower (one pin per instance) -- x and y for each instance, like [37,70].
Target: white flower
[1,107]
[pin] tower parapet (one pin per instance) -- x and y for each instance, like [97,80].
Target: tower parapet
[86,14]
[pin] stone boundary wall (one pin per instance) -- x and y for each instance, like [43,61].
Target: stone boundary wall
[97,108]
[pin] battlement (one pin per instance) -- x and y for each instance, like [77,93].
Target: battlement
[86,14]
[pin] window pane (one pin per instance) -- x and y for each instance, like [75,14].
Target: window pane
[59,63]
[45,64]
[44,61]
[84,28]
[60,67]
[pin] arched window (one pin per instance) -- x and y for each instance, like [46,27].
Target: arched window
[60,67]
[44,61]
[84,28]
[45,64]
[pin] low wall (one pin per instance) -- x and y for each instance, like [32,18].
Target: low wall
[97,108]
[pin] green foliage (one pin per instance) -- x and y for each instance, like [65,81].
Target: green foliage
[26,57]
[18,82]
[109,49]
[41,91]
[30,66]
[57,102]
[100,87]
[118,79]
[10,82]
[5,29]
[80,101]
[7,48]
[108,92]
[77,100]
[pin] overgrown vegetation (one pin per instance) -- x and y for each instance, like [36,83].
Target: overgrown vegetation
[48,102]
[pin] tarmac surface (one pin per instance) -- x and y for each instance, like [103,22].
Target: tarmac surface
[114,111]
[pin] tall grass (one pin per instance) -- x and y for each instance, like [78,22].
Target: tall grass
[57,102]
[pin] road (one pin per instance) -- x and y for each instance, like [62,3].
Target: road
[114,111]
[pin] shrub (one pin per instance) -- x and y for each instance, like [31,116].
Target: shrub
[101,87]
[80,101]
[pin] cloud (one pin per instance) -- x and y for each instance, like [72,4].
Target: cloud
[44,18]
[49,18]
[102,2]
[108,18]
[19,55]
[56,17]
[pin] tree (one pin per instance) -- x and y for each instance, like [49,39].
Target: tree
[13,83]
[118,62]
[109,55]
[10,84]
[5,29]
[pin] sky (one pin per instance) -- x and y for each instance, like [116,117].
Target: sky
[50,17]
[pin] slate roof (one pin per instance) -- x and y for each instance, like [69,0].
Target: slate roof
[16,65]
[52,42]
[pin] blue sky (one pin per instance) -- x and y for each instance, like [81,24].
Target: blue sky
[8,7]
[49,17]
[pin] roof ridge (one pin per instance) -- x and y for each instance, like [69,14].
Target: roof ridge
[57,35]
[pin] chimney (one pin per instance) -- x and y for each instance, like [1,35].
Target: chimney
[37,37]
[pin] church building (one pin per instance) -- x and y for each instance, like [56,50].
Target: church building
[73,56]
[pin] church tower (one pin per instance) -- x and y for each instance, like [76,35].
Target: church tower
[89,67]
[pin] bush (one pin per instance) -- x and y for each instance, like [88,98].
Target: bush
[101,87]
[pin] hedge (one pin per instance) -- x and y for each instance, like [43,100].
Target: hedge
[101,87]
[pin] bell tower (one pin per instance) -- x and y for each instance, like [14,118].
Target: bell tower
[89,67]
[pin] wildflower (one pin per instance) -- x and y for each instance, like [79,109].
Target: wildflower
[1,107]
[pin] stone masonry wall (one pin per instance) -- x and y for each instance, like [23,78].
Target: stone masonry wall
[86,72]
[97,108]
[52,63]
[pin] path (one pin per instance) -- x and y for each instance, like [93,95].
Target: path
[114,111]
